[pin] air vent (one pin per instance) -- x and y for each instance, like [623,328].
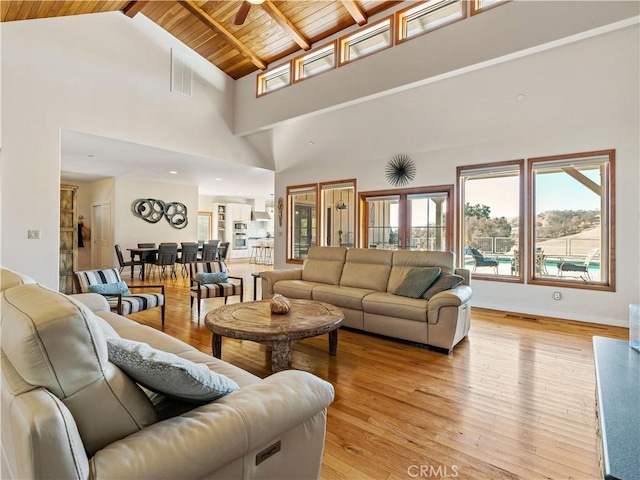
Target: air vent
[181,72]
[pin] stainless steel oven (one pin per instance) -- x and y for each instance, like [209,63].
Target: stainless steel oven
[239,241]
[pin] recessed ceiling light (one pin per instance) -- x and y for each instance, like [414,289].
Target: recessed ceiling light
[218,179]
[520,97]
[173,172]
[311,142]
[91,155]
[239,193]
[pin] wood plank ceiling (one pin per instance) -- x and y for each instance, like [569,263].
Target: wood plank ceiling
[271,31]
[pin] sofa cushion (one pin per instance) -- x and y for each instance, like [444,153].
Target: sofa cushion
[445,281]
[164,372]
[367,268]
[213,277]
[417,281]
[406,260]
[324,265]
[343,297]
[295,288]
[390,305]
[107,288]
[55,342]
[9,279]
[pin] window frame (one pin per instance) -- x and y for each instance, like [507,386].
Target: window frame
[401,17]
[298,62]
[344,41]
[476,8]
[608,230]
[460,205]
[292,190]
[404,227]
[263,77]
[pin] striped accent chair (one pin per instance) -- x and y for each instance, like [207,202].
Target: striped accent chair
[119,303]
[212,290]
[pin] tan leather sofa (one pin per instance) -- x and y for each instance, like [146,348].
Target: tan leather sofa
[69,413]
[359,281]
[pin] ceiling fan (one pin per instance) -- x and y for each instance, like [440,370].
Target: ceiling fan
[243,11]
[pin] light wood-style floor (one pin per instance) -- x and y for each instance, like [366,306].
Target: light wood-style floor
[516,399]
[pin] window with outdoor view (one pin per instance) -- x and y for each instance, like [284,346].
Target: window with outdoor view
[301,221]
[274,79]
[338,216]
[491,219]
[572,218]
[315,62]
[428,16]
[366,41]
[478,6]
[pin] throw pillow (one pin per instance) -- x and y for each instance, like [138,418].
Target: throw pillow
[118,287]
[169,374]
[417,281]
[214,277]
[446,281]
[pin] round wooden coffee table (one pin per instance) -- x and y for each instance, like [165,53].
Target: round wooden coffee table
[254,321]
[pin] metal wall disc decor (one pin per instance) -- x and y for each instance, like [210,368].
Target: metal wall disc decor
[152,210]
[400,170]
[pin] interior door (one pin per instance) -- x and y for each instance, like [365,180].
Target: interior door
[101,248]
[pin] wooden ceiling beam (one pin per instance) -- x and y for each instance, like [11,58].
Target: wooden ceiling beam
[583,179]
[282,20]
[133,8]
[213,24]
[355,11]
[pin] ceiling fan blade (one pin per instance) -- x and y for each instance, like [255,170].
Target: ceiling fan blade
[243,11]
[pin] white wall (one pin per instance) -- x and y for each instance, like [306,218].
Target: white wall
[580,97]
[499,32]
[131,230]
[104,74]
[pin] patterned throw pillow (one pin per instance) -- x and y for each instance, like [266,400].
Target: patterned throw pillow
[446,281]
[417,281]
[118,287]
[214,277]
[169,374]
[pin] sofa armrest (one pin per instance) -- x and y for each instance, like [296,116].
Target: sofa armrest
[464,273]
[269,278]
[201,441]
[454,297]
[94,301]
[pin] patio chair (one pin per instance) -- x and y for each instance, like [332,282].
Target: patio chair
[203,287]
[107,282]
[479,260]
[578,267]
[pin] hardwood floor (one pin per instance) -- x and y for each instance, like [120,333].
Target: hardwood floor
[516,399]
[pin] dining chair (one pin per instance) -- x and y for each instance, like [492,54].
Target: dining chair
[189,254]
[209,251]
[130,263]
[223,250]
[167,256]
[148,257]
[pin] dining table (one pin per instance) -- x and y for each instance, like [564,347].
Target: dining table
[140,251]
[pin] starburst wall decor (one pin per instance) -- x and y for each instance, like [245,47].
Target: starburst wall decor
[400,170]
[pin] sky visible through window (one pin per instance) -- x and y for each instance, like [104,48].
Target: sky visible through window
[554,191]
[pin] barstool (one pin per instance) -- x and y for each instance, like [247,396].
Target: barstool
[256,254]
[267,257]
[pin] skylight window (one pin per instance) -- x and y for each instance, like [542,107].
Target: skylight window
[274,79]
[428,16]
[315,62]
[366,41]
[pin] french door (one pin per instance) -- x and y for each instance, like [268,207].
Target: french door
[408,219]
